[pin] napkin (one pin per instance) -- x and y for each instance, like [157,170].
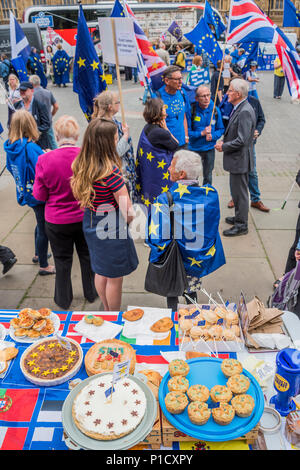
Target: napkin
[4,345]
[107,330]
[140,329]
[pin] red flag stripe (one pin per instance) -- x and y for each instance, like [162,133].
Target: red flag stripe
[14,439]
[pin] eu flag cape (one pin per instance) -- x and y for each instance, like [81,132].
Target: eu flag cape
[196,227]
[61,62]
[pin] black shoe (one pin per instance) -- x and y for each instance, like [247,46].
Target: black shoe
[8,265]
[235,231]
[35,259]
[230,220]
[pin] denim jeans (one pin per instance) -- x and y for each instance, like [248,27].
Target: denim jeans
[253,93]
[112,71]
[208,163]
[41,237]
[253,181]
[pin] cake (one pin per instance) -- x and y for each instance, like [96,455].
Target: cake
[51,361]
[231,367]
[178,383]
[223,414]
[238,383]
[111,417]
[99,359]
[178,367]
[198,412]
[176,402]
[198,392]
[243,405]
[220,393]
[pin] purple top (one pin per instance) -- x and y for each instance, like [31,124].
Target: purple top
[52,185]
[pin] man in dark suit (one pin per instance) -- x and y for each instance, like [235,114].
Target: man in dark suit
[237,148]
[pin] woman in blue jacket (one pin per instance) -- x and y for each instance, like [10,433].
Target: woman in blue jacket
[21,157]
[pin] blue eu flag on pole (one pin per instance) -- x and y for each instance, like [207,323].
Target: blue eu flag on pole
[20,48]
[212,18]
[202,37]
[251,51]
[175,30]
[88,78]
[291,18]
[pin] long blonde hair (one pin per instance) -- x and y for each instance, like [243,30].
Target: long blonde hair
[95,161]
[23,125]
[102,104]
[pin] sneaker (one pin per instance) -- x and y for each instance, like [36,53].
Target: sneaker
[8,265]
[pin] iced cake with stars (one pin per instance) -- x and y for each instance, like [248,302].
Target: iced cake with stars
[106,416]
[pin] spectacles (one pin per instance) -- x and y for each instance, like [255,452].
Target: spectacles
[176,79]
[203,96]
[116,102]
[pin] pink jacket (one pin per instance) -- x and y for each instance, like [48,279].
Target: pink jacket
[52,185]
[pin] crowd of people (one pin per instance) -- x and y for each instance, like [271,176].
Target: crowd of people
[84,196]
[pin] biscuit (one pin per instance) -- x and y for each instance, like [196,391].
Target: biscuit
[163,325]
[88,319]
[231,367]
[98,321]
[238,383]
[198,412]
[243,405]
[176,402]
[133,315]
[220,393]
[8,353]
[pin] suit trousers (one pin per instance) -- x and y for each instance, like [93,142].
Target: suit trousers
[62,239]
[239,191]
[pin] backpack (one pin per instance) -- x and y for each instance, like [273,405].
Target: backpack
[285,295]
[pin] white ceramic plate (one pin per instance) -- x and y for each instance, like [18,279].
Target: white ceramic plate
[56,322]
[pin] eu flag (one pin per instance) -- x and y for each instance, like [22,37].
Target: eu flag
[213,19]
[20,48]
[251,51]
[202,37]
[36,67]
[291,18]
[175,30]
[88,79]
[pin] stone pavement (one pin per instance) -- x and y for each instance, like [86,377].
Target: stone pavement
[253,261]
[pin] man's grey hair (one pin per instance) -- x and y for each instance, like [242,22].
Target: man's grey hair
[35,80]
[190,162]
[241,86]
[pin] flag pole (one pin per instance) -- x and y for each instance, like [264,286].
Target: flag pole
[113,26]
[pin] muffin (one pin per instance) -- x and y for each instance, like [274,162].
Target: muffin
[238,383]
[198,412]
[178,367]
[220,393]
[231,367]
[198,393]
[243,405]
[176,402]
[223,414]
[178,384]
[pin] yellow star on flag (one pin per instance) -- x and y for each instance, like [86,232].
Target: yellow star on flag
[155,65]
[138,187]
[141,152]
[207,189]
[161,247]
[153,228]
[164,189]
[147,202]
[194,261]
[182,189]
[157,207]
[81,62]
[95,65]
[149,156]
[211,251]
[137,162]
[161,164]
[166,176]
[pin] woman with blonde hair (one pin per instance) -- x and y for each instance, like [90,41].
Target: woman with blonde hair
[98,185]
[22,154]
[106,105]
[63,214]
[14,100]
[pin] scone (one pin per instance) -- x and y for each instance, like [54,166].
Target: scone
[238,383]
[163,325]
[198,412]
[243,405]
[178,367]
[231,367]
[133,315]
[223,414]
[178,384]
[98,321]
[220,393]
[89,319]
[176,402]
[198,393]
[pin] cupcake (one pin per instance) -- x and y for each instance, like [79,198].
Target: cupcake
[238,383]
[243,405]
[198,393]
[220,393]
[231,367]
[176,402]
[223,414]
[178,383]
[198,412]
[178,367]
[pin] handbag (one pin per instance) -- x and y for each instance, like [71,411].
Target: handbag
[167,276]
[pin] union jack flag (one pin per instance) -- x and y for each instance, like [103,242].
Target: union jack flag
[247,22]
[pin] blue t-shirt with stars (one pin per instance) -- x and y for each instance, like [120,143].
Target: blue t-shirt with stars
[176,107]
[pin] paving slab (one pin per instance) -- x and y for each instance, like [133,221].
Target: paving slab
[11,298]
[277,244]
[276,219]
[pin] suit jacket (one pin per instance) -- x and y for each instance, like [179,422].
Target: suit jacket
[238,140]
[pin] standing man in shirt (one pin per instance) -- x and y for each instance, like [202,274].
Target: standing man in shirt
[46,97]
[163,53]
[237,148]
[177,104]
[279,79]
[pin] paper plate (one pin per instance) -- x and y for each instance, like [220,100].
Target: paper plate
[126,442]
[207,371]
[25,339]
[3,331]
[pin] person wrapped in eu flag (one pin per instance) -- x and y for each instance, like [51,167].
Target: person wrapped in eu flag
[61,65]
[196,223]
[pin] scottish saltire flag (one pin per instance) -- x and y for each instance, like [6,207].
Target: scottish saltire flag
[291,18]
[213,19]
[175,30]
[248,23]
[20,48]
[88,78]
[203,38]
[196,227]
[151,65]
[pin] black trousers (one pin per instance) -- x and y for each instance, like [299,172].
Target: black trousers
[240,196]
[62,238]
[5,254]
[172,302]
